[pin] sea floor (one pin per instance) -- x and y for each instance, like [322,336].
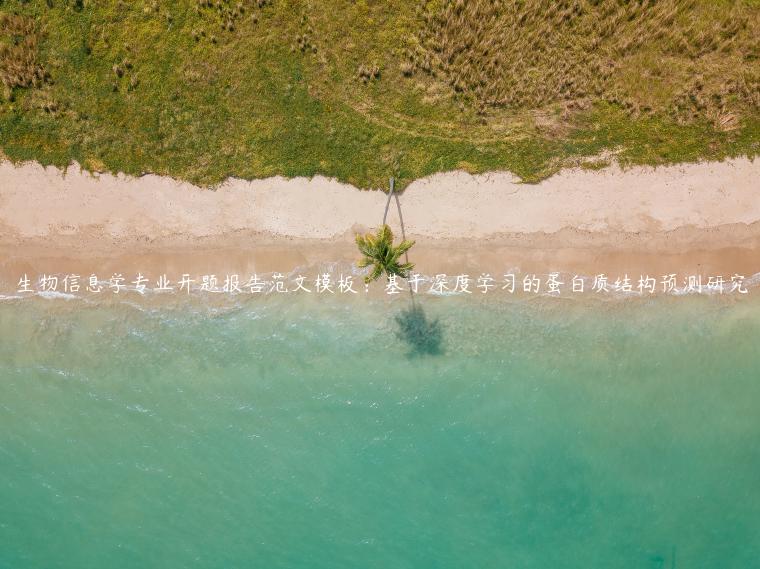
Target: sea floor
[367,433]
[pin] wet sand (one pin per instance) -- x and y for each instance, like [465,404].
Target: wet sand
[686,219]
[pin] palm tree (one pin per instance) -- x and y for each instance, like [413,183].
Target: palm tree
[382,255]
[423,336]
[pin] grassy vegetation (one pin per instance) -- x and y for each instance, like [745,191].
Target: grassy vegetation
[362,89]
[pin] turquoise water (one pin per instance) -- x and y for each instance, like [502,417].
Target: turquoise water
[306,434]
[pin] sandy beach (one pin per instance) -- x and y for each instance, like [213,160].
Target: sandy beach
[686,218]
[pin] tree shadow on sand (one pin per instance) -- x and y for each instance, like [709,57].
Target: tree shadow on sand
[423,336]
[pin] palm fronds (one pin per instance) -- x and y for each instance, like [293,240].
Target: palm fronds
[379,252]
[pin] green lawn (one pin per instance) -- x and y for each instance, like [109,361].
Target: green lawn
[206,90]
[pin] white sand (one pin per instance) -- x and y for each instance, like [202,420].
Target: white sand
[37,202]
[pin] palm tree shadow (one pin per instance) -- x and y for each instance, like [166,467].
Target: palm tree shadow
[423,336]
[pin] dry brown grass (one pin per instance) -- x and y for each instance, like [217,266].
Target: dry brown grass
[19,65]
[227,14]
[166,86]
[693,58]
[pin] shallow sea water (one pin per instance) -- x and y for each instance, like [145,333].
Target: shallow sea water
[315,434]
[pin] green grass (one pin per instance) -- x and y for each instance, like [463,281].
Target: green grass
[250,105]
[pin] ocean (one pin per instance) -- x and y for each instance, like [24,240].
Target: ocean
[327,433]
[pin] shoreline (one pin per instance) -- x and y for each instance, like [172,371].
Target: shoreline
[692,218]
